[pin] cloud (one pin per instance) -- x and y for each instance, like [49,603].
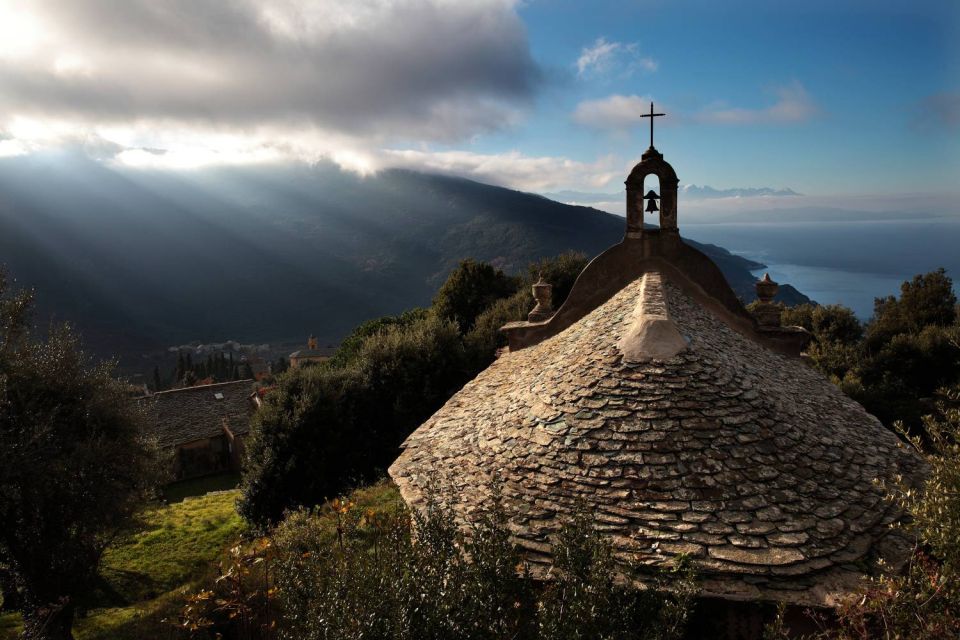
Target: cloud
[602,56]
[939,111]
[614,113]
[793,105]
[375,70]
[511,169]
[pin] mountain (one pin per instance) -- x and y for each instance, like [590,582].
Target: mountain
[688,191]
[693,191]
[139,260]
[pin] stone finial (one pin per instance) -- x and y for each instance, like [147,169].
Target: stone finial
[543,294]
[766,312]
[766,288]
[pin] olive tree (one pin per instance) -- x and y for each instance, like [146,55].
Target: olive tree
[74,465]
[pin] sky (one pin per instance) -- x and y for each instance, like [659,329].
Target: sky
[843,101]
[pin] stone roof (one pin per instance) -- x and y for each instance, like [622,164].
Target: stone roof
[195,413]
[683,430]
[326,352]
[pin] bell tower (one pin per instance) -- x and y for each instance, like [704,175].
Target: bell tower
[651,163]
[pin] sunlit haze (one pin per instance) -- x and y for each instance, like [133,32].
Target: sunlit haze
[851,99]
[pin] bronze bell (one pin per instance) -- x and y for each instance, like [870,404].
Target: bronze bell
[651,199]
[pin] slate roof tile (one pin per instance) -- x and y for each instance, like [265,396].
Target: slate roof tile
[748,459]
[184,415]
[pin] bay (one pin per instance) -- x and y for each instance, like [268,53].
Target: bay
[842,262]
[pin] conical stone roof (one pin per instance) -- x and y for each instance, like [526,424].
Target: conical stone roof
[662,411]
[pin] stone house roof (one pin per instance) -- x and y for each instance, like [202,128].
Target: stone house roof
[326,352]
[180,416]
[653,399]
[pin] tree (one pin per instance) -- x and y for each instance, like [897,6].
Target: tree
[472,287]
[74,466]
[926,300]
[560,272]
[323,428]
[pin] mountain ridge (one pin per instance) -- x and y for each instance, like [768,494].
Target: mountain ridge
[139,260]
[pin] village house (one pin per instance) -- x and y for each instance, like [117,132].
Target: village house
[682,423]
[312,354]
[202,426]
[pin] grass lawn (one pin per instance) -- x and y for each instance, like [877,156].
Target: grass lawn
[177,491]
[147,569]
[168,552]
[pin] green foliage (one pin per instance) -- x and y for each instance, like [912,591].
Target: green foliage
[935,510]
[828,323]
[560,271]
[926,300]
[910,348]
[584,600]
[363,567]
[483,340]
[923,601]
[324,428]
[74,465]
[471,288]
[353,343]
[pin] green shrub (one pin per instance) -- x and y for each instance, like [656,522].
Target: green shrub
[923,601]
[355,569]
[324,429]
[560,272]
[471,288]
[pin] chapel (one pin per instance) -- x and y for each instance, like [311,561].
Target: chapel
[685,424]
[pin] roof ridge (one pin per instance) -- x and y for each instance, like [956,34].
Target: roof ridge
[652,335]
[200,387]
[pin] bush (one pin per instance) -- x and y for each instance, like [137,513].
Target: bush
[560,272]
[350,347]
[584,601]
[323,429]
[910,348]
[926,300]
[471,288]
[923,601]
[348,572]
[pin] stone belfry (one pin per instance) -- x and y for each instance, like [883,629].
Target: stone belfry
[651,163]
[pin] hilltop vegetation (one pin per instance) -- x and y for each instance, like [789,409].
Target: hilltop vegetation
[895,364]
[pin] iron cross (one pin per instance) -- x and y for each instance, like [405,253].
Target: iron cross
[651,115]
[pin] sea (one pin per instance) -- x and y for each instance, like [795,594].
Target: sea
[842,262]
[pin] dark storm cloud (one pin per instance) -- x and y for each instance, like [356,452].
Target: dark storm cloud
[414,69]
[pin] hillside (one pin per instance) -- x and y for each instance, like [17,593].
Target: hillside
[139,260]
